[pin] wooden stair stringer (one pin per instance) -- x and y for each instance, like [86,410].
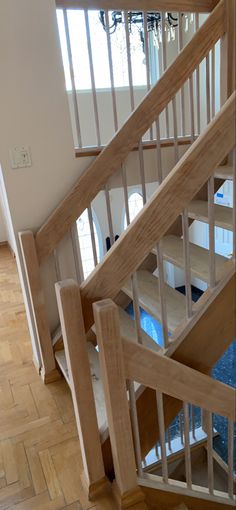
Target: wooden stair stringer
[168,500]
[200,349]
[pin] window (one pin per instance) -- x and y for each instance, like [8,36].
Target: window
[85,242]
[78,37]
[135,205]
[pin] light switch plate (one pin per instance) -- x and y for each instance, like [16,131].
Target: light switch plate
[20,157]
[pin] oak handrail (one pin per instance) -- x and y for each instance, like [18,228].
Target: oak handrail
[147,145]
[151,224]
[155,371]
[140,5]
[169,376]
[96,176]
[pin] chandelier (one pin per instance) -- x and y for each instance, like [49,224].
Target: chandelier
[154,24]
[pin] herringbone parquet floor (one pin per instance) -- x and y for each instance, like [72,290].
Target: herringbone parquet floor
[40,463]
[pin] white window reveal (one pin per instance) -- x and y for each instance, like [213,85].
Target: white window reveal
[135,205]
[85,241]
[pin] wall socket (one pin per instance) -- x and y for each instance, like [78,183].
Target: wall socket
[20,157]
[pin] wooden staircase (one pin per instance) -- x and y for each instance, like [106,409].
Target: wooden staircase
[194,335]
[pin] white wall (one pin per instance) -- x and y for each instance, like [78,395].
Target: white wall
[34,112]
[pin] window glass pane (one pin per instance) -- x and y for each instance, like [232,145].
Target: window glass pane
[85,242]
[135,205]
[79,49]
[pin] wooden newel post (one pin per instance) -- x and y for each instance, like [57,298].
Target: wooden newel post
[75,344]
[49,372]
[106,316]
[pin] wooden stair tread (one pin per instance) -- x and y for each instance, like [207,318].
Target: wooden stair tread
[149,299]
[224,172]
[96,382]
[172,249]
[198,210]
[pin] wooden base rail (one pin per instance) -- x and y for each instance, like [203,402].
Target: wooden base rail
[147,145]
[148,228]
[110,160]
[122,360]
[75,344]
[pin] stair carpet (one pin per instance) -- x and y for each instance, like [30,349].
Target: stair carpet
[148,288]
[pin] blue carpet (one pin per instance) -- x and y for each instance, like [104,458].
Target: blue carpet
[151,326]
[225,371]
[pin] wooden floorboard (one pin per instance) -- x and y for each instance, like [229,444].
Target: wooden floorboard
[40,461]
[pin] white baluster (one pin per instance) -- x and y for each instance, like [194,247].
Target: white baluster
[110,61]
[142,171]
[164,61]
[126,196]
[161,423]
[146,50]
[187,263]
[182,92]
[213,95]
[176,147]
[130,76]
[191,108]
[208,94]
[135,427]
[211,221]
[162,294]
[72,76]
[187,453]
[159,158]
[90,218]
[198,83]
[210,466]
[91,67]
[109,214]
[77,254]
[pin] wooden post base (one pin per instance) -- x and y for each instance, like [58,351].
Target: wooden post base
[97,489]
[134,499]
[50,377]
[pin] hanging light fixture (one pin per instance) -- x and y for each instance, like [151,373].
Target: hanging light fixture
[154,20]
